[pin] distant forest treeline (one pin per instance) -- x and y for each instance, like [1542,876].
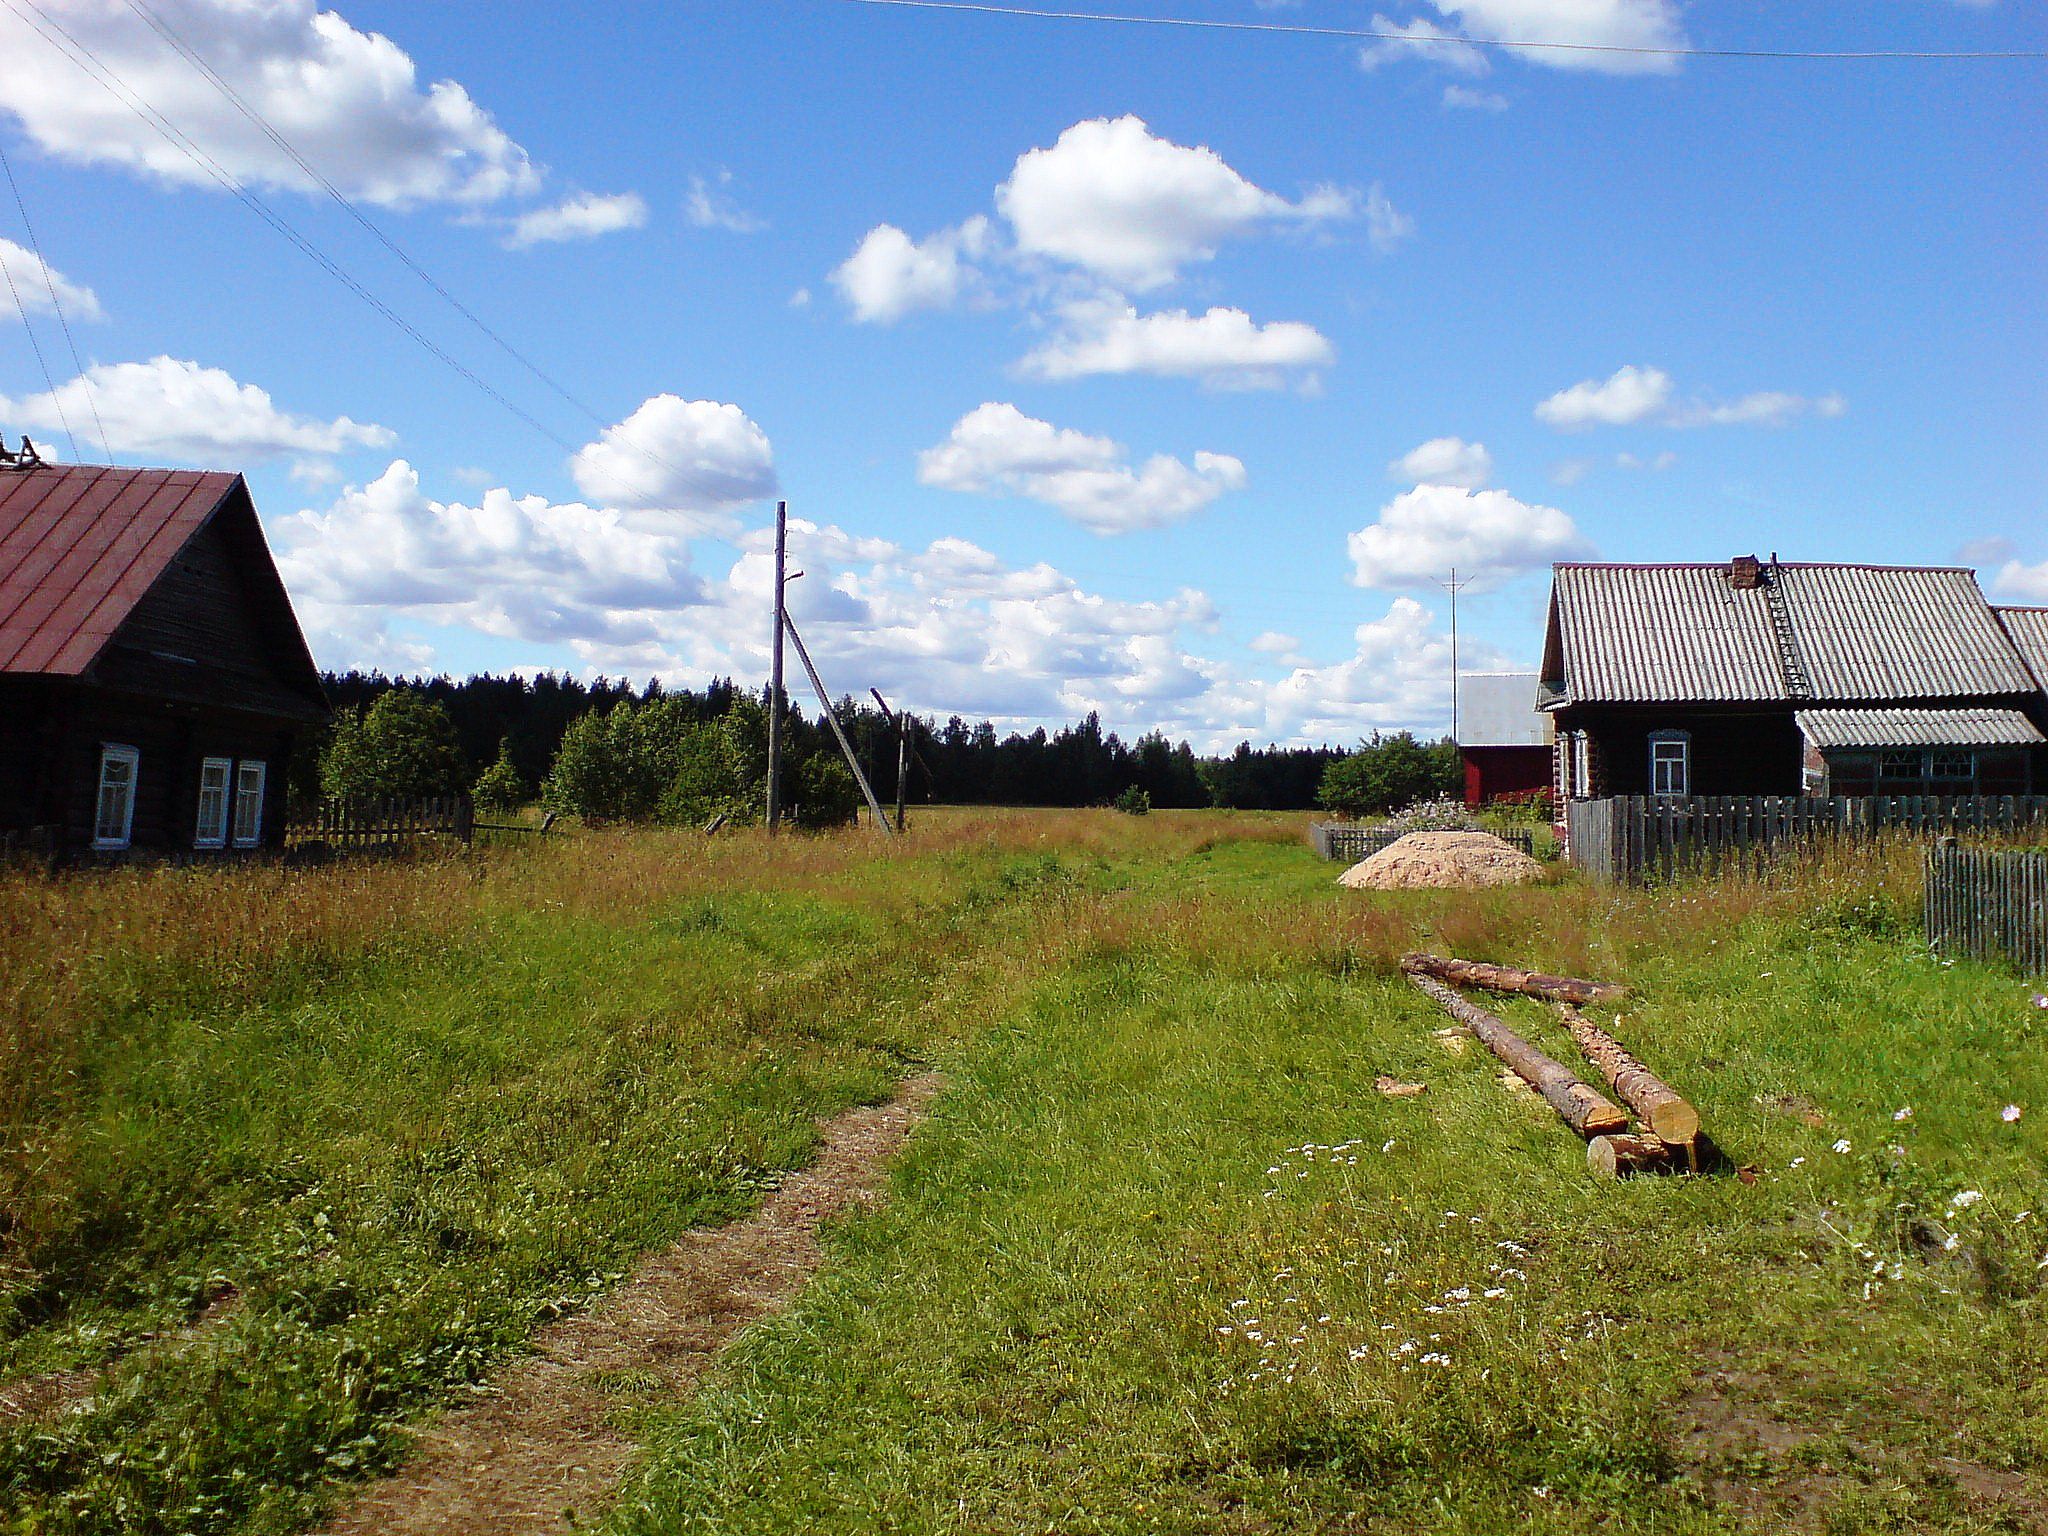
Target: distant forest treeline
[958,763]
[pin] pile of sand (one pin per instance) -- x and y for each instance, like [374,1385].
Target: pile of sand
[1443,859]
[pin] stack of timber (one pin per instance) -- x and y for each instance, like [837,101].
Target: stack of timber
[1667,1124]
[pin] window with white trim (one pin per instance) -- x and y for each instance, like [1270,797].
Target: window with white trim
[114,817]
[249,804]
[1670,763]
[212,830]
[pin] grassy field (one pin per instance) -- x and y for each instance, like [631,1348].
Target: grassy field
[1160,1260]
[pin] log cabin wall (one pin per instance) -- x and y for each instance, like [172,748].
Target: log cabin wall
[1731,752]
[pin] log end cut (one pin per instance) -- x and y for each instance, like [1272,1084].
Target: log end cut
[1614,1157]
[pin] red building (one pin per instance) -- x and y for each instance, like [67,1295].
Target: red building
[1503,739]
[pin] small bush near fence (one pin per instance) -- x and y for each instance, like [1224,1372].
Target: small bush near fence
[1989,904]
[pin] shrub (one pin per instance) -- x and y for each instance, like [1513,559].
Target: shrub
[1133,802]
[822,793]
[500,787]
[1389,771]
[403,745]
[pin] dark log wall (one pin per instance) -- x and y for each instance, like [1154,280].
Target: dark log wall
[24,716]
[172,740]
[1732,753]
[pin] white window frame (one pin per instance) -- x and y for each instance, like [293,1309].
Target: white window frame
[115,752]
[1581,766]
[1683,761]
[216,835]
[254,835]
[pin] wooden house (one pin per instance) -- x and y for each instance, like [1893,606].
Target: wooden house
[1761,678]
[153,678]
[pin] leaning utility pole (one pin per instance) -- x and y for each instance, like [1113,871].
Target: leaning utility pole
[775,671]
[902,724]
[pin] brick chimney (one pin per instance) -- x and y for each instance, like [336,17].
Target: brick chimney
[1745,573]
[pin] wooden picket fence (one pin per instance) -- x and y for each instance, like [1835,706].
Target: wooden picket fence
[1639,837]
[1351,842]
[382,822]
[1988,904]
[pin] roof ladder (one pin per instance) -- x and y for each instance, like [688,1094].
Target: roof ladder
[1798,684]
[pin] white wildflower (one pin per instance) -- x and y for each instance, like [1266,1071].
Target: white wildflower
[2010,1113]
[1842,1145]
[1963,1199]
[1903,1114]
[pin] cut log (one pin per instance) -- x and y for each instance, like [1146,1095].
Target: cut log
[1580,1107]
[1610,1157]
[1394,1088]
[1506,978]
[1655,1103]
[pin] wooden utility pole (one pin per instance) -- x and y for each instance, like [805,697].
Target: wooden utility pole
[775,671]
[902,724]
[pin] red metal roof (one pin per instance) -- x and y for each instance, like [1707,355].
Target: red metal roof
[80,545]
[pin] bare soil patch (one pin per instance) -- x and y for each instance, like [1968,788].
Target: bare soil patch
[1780,1476]
[544,1450]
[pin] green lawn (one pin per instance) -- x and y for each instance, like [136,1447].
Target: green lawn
[1160,1260]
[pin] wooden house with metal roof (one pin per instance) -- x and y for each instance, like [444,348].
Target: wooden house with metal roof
[1762,678]
[153,677]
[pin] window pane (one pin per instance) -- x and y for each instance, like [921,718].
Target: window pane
[248,803]
[212,829]
[1953,765]
[115,812]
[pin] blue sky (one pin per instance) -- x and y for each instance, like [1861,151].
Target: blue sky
[1103,367]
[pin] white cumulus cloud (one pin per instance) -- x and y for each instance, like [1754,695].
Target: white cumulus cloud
[1629,395]
[585,216]
[168,409]
[351,102]
[891,275]
[1445,461]
[517,567]
[679,456]
[1488,536]
[2026,583]
[1222,347]
[997,450]
[710,206]
[1120,202]
[35,282]
[1421,38]
[1586,28]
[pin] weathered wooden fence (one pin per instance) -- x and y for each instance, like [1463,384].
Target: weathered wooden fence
[1636,837]
[382,822]
[1989,904]
[1347,841]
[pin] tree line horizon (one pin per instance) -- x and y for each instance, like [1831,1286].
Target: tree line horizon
[512,727]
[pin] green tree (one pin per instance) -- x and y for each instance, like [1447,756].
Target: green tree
[403,745]
[822,793]
[500,787]
[1388,772]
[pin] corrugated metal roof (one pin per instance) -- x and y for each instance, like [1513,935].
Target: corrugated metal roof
[1498,709]
[1918,728]
[1889,632]
[1681,634]
[2029,630]
[79,546]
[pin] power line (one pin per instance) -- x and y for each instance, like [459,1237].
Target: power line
[198,61]
[1387,35]
[164,30]
[57,305]
[37,347]
[87,61]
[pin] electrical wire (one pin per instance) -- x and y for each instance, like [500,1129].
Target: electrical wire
[41,362]
[1387,35]
[57,305]
[198,61]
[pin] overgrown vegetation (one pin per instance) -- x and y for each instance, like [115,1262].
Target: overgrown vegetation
[1161,1260]
[1387,773]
